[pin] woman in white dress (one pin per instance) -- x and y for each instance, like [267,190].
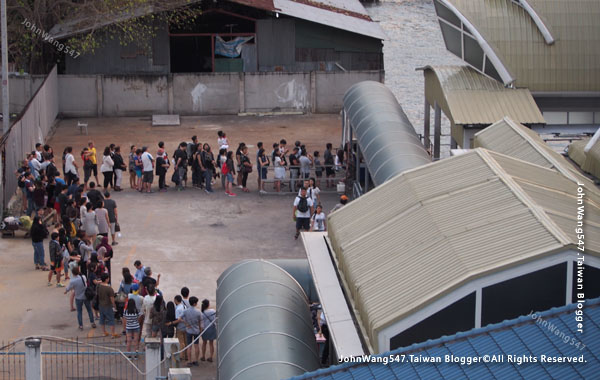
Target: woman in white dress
[279,169]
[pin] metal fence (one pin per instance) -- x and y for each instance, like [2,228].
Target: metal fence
[293,179]
[32,126]
[12,361]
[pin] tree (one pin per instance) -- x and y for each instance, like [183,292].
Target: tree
[33,49]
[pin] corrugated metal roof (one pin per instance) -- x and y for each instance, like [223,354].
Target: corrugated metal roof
[479,218]
[571,63]
[347,15]
[589,161]
[336,18]
[468,97]
[516,140]
[265,327]
[386,137]
[523,336]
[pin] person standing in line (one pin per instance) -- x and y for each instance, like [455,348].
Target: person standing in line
[91,153]
[294,169]
[303,209]
[158,314]
[119,168]
[181,160]
[318,220]
[148,304]
[56,259]
[78,284]
[229,170]
[180,332]
[106,253]
[38,234]
[329,161]
[263,165]
[324,332]
[207,160]
[70,166]
[107,168]
[279,169]
[245,168]
[140,272]
[220,161]
[131,325]
[318,168]
[259,146]
[162,166]
[139,166]
[113,215]
[106,303]
[170,321]
[185,295]
[192,318]
[90,222]
[148,177]
[222,140]
[209,330]
[238,160]
[131,167]
[305,164]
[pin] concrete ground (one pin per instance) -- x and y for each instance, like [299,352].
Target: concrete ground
[188,237]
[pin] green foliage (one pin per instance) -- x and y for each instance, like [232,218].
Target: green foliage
[127,21]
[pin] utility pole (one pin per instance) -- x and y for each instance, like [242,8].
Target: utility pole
[5,100]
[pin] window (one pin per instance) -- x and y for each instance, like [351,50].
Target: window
[581,118]
[536,291]
[460,316]
[554,118]
[452,39]
[473,52]
[591,282]
[446,14]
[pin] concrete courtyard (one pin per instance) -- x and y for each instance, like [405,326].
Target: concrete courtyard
[188,237]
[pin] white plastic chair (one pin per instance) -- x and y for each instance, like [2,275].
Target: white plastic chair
[81,126]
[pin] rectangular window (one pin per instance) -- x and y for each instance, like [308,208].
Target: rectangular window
[536,291]
[581,118]
[555,118]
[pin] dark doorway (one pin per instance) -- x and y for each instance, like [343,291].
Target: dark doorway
[191,54]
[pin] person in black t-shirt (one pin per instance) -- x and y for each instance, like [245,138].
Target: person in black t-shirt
[181,159]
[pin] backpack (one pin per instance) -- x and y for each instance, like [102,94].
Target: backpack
[225,168]
[90,292]
[303,204]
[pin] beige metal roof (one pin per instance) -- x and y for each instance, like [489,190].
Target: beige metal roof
[517,141]
[430,230]
[468,97]
[570,63]
[589,161]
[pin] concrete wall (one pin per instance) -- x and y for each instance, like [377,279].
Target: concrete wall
[78,95]
[32,127]
[331,87]
[22,88]
[134,95]
[277,91]
[206,94]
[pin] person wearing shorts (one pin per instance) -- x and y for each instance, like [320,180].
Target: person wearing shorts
[192,318]
[302,217]
[106,303]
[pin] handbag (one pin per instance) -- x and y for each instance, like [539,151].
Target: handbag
[175,177]
[117,227]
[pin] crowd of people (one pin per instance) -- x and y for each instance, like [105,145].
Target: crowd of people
[80,220]
[144,311]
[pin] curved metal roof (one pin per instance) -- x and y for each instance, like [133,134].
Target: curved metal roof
[265,327]
[386,137]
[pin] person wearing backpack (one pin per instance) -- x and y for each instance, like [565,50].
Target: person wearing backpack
[303,209]
[78,284]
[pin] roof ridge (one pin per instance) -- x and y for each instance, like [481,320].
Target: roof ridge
[531,141]
[538,212]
